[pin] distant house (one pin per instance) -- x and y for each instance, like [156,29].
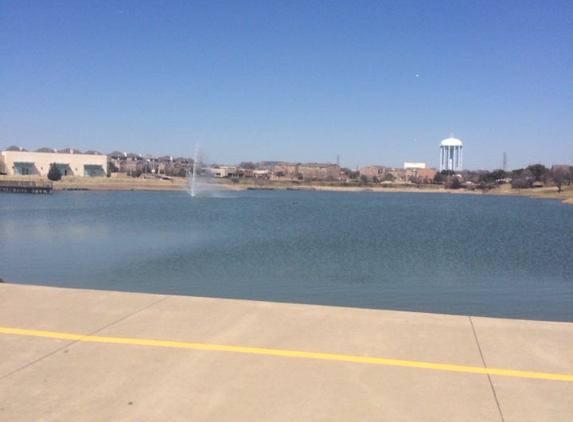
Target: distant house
[426,175]
[15,148]
[247,172]
[131,163]
[260,173]
[164,165]
[397,174]
[372,172]
[315,171]
[308,171]
[563,168]
[221,171]
[290,170]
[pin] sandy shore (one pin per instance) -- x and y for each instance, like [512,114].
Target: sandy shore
[176,183]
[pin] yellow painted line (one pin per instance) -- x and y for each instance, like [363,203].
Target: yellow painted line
[290,353]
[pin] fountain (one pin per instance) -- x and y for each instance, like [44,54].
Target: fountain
[197,184]
[192,178]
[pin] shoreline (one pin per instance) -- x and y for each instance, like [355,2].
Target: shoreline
[176,183]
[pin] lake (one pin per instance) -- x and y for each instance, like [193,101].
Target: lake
[481,255]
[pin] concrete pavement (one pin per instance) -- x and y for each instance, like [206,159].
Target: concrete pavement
[83,355]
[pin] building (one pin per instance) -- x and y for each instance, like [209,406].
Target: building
[221,171]
[426,175]
[289,170]
[414,166]
[451,155]
[372,172]
[16,161]
[315,171]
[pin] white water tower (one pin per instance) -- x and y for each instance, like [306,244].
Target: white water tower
[451,154]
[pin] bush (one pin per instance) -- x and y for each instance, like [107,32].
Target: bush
[521,184]
[54,174]
[456,183]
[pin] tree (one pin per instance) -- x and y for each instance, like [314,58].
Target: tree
[557,177]
[538,171]
[456,183]
[521,183]
[491,177]
[516,173]
[560,175]
[439,178]
[452,182]
[181,172]
[351,174]
[247,165]
[111,168]
[54,174]
[522,179]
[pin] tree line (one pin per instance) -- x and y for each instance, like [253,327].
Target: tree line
[523,178]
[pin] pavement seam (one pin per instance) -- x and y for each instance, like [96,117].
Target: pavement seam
[128,316]
[80,339]
[485,366]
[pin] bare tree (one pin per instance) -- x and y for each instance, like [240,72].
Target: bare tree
[560,175]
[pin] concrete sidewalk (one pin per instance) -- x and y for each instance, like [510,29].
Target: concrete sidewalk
[82,355]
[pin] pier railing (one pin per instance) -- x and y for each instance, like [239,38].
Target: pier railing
[25,186]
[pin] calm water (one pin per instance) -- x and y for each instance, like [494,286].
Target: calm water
[455,254]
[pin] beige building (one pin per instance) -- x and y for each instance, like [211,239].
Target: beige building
[15,161]
[414,166]
[221,171]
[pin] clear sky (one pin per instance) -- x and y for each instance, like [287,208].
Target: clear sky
[374,82]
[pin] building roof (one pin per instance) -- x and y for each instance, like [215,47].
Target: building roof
[451,142]
[117,154]
[15,148]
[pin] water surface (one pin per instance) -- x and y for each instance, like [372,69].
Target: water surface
[456,254]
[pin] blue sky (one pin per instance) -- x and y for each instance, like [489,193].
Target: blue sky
[373,82]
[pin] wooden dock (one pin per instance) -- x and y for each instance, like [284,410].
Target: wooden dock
[25,186]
